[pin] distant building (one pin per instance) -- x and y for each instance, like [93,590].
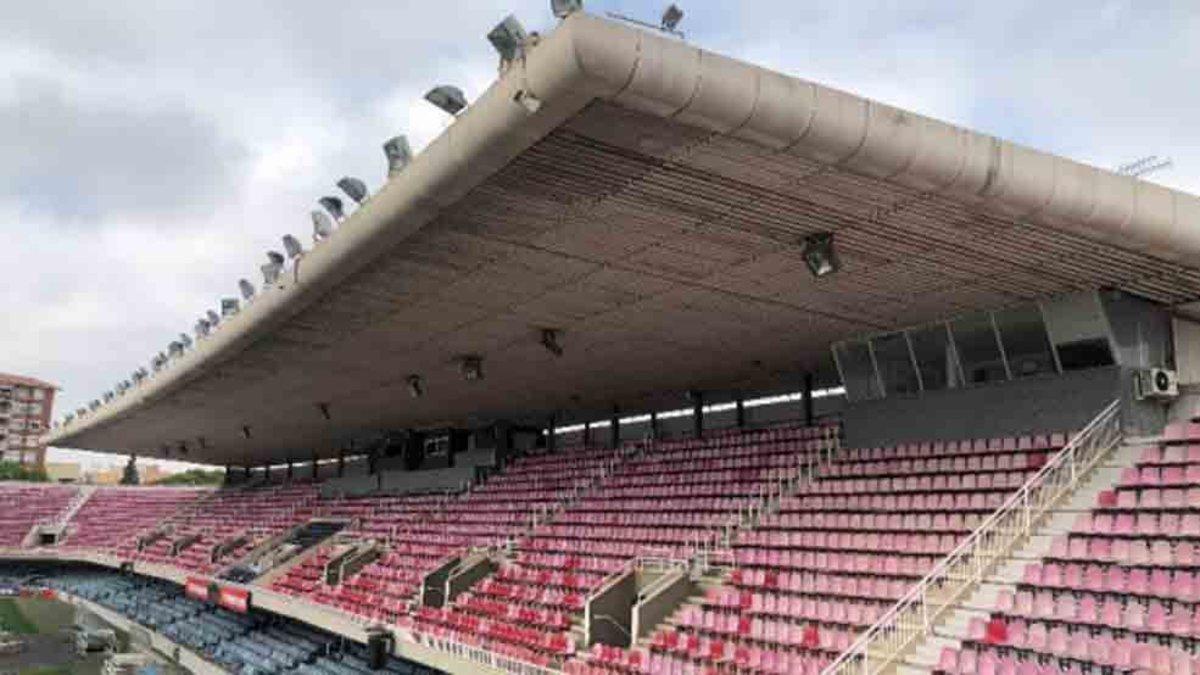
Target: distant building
[63,472]
[26,405]
[147,474]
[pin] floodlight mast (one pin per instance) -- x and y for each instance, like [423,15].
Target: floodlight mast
[448,98]
[354,188]
[398,153]
[508,38]
[564,8]
[322,226]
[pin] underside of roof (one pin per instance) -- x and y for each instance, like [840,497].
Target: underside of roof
[649,200]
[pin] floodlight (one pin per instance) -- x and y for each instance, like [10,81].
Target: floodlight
[322,226]
[159,360]
[471,367]
[229,307]
[399,154]
[187,341]
[94,405]
[109,396]
[671,17]
[273,268]
[354,188]
[416,386]
[550,341]
[203,328]
[175,349]
[564,8]
[820,255]
[448,98]
[247,289]
[508,38]
[292,247]
[122,387]
[139,375]
[334,206]
[214,319]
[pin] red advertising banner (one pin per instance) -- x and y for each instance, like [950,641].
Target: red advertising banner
[196,588]
[234,599]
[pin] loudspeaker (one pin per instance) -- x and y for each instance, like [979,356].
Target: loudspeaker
[379,645]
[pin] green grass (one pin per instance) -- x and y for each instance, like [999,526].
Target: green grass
[13,620]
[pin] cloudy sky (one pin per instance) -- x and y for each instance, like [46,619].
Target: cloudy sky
[151,151]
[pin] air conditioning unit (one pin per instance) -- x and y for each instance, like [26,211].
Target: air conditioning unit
[1156,383]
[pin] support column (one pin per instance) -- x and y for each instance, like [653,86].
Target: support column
[267,473]
[314,467]
[228,474]
[246,473]
[654,426]
[341,469]
[808,400]
[587,434]
[697,414]
[290,471]
[552,435]
[614,428]
[741,412]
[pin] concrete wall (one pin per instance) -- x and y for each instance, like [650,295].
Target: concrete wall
[1035,405]
[609,613]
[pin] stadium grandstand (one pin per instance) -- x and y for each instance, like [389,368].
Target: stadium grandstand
[655,361]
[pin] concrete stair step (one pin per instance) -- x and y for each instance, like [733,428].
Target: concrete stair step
[980,601]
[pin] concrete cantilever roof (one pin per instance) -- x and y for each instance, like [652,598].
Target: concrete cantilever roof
[646,197]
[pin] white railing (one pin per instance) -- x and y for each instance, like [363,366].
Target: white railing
[771,493]
[485,657]
[915,615]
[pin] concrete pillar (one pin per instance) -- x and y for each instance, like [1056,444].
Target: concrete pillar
[587,434]
[697,414]
[341,469]
[552,434]
[654,426]
[808,400]
[614,428]
[314,467]
[741,412]
[290,472]
[266,473]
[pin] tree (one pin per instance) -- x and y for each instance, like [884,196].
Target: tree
[130,477]
[193,477]
[15,471]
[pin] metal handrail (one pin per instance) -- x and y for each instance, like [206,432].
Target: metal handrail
[915,614]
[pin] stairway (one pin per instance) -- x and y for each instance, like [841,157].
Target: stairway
[85,493]
[951,631]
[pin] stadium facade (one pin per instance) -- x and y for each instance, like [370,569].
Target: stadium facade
[533,406]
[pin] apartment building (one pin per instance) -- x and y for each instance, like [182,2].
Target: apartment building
[26,405]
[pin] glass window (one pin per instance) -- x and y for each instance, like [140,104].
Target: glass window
[975,341]
[935,357]
[39,394]
[1026,344]
[1087,353]
[895,364]
[858,371]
